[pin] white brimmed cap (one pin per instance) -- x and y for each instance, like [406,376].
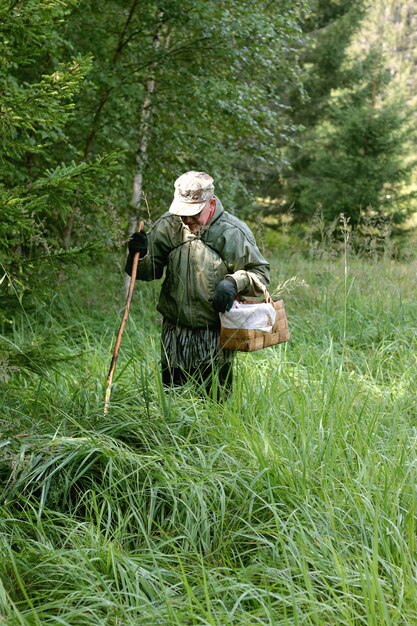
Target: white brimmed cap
[192,192]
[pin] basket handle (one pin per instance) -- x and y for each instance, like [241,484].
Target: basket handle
[259,284]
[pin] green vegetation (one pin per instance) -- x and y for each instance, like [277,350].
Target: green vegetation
[351,154]
[292,503]
[282,104]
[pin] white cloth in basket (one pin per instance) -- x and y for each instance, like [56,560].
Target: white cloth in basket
[249,316]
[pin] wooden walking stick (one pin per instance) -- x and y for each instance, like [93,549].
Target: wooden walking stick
[122,326]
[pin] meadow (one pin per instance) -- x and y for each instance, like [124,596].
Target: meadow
[293,502]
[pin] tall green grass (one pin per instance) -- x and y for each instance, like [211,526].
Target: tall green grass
[293,502]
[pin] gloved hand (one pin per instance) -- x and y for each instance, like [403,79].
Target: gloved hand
[226,292]
[138,243]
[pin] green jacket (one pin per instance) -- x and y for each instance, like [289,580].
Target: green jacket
[196,263]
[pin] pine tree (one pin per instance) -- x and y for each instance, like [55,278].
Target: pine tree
[356,164]
[38,184]
[350,157]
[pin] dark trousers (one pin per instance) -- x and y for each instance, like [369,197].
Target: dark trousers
[213,380]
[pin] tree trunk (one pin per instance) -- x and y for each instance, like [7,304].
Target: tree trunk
[145,130]
[144,133]
[142,153]
[67,235]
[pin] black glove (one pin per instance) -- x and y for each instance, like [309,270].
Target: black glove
[224,295]
[138,243]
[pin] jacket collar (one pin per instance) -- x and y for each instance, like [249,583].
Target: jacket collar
[217,213]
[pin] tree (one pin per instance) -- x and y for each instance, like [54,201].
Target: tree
[357,167]
[194,85]
[163,87]
[37,94]
[350,157]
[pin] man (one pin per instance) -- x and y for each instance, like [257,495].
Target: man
[209,257]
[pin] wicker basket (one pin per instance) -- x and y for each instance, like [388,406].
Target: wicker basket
[242,340]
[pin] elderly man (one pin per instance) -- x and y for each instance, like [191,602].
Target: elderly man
[209,257]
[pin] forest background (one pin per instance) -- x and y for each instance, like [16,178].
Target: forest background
[295,501]
[295,110]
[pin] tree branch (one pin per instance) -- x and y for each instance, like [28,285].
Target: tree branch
[14,5]
[106,91]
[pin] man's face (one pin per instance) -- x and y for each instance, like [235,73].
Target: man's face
[194,222]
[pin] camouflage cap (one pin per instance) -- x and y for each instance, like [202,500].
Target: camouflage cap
[192,192]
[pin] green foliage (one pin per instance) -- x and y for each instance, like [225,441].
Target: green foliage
[80,81]
[356,165]
[352,155]
[329,28]
[39,186]
[224,108]
[292,502]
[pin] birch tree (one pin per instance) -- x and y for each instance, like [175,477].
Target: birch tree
[144,131]
[210,78]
